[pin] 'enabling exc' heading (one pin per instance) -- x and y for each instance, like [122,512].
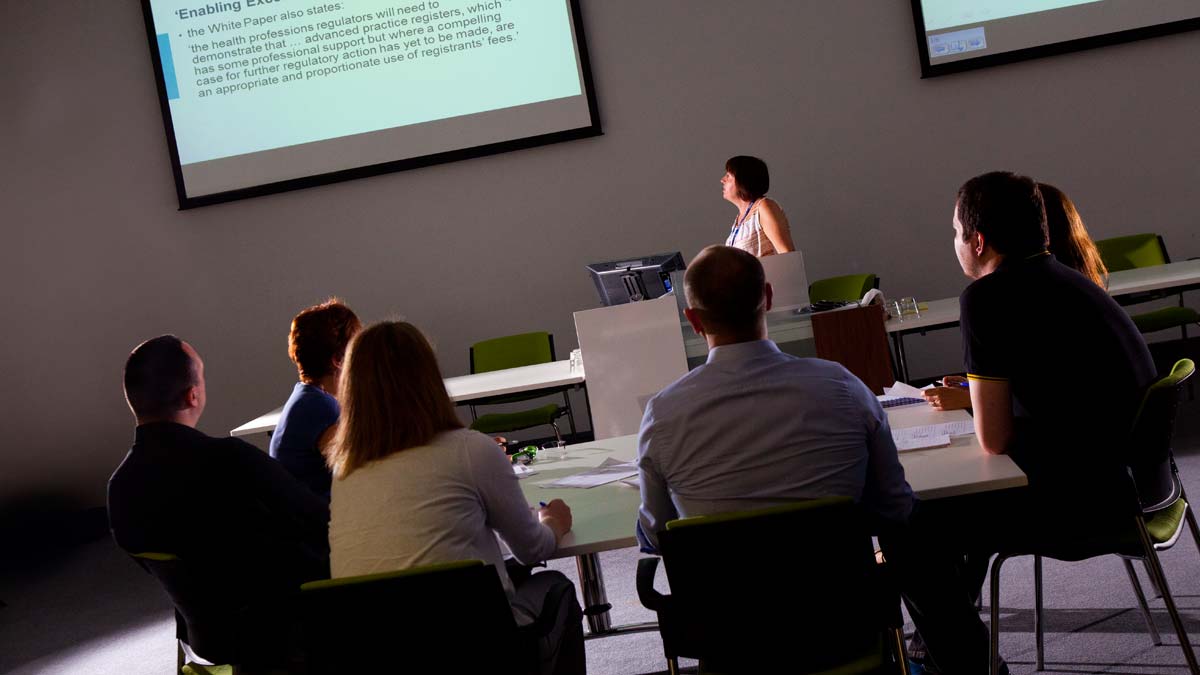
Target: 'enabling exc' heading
[220,8]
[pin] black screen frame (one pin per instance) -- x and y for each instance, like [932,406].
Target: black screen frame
[185,202]
[934,70]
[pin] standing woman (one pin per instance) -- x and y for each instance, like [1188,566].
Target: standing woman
[761,228]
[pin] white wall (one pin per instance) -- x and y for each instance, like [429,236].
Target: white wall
[865,157]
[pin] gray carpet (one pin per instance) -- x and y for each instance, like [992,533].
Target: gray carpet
[91,610]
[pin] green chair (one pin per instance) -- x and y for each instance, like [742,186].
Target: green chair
[1146,250]
[793,588]
[1156,521]
[456,614]
[851,287]
[513,351]
[171,572]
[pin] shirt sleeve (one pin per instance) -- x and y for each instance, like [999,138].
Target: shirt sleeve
[885,491]
[656,508]
[507,511]
[985,353]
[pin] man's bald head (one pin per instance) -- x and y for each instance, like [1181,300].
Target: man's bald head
[726,287]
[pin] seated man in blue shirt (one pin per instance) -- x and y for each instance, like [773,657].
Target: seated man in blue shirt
[753,426]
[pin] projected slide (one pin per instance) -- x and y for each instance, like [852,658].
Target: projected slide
[262,91]
[957,32]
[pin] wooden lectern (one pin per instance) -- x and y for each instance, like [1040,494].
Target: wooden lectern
[857,339]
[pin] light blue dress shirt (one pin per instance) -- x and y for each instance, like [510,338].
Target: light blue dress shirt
[755,427]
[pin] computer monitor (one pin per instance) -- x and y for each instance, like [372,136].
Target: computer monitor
[635,279]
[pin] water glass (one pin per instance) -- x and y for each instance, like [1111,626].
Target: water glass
[554,450]
[908,306]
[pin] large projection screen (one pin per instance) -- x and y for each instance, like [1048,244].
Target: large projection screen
[956,35]
[262,96]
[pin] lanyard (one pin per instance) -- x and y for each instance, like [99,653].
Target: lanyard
[738,226]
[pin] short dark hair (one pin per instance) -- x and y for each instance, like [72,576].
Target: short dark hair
[319,335]
[726,285]
[158,374]
[750,176]
[1007,209]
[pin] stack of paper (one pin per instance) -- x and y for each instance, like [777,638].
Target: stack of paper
[931,435]
[610,470]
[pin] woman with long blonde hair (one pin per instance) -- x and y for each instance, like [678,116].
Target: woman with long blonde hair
[1069,239]
[412,487]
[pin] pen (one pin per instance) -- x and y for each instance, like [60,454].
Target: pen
[543,504]
[942,383]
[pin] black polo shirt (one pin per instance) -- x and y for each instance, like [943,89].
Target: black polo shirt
[1076,364]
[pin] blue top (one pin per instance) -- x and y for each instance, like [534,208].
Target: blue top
[306,415]
[754,427]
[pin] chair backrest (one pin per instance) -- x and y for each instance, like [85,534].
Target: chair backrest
[456,614]
[1135,250]
[213,615]
[843,288]
[1151,462]
[512,351]
[857,339]
[795,583]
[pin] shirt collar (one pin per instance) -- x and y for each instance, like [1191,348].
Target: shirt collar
[742,351]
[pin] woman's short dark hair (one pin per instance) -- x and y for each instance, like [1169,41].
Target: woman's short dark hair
[158,373]
[750,176]
[1007,209]
[319,335]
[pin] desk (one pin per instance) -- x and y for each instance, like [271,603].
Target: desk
[467,388]
[604,516]
[789,327]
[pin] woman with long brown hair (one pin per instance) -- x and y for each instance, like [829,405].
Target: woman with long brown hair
[412,487]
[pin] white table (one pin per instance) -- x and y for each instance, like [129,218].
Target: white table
[604,516]
[465,388]
[784,327]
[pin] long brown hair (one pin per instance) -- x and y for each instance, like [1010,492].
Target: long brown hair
[392,396]
[1069,239]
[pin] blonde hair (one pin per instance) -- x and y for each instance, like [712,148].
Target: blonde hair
[392,397]
[1069,239]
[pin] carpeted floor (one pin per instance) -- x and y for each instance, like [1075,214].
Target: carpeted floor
[91,610]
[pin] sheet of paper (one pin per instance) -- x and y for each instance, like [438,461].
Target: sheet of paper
[892,401]
[522,471]
[931,435]
[922,442]
[608,471]
[904,389]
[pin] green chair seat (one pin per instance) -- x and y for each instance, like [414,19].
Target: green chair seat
[197,669]
[1163,527]
[495,423]
[847,288]
[1167,317]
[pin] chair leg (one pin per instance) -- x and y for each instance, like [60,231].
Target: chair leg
[673,666]
[1141,598]
[1039,632]
[1191,521]
[570,413]
[1153,564]
[995,614]
[179,658]
[1153,580]
[900,652]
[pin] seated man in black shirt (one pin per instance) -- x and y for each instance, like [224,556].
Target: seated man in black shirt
[1057,372]
[248,533]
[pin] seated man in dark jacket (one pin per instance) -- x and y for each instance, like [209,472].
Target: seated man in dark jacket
[245,531]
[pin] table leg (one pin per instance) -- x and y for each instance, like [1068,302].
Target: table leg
[901,359]
[595,599]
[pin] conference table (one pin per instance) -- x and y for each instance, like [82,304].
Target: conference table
[467,388]
[604,516]
[786,327]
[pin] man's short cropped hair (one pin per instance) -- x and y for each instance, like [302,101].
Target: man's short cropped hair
[1007,209]
[750,176]
[158,374]
[726,286]
[319,335]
